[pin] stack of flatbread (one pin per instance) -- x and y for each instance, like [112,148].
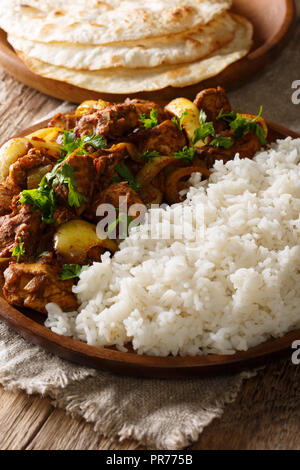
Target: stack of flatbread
[126,46]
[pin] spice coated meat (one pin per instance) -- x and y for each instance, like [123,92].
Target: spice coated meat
[136,150]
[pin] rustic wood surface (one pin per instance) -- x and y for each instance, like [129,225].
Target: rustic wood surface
[266,414]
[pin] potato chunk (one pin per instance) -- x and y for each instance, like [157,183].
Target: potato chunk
[186,111]
[76,242]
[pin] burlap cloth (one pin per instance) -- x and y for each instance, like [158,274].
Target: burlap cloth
[157,413]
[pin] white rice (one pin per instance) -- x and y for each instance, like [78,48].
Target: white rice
[231,290]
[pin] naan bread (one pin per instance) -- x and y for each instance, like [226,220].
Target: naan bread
[123,81]
[108,22]
[174,49]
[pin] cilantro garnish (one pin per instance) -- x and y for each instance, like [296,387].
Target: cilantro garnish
[242,125]
[126,175]
[186,152]
[44,199]
[152,121]
[71,143]
[206,129]
[71,271]
[65,175]
[96,141]
[149,155]
[18,250]
[179,121]
[226,116]
[222,142]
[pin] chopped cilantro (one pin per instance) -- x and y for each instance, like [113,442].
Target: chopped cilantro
[65,175]
[152,121]
[42,198]
[18,250]
[71,271]
[179,121]
[149,155]
[96,141]
[206,129]
[242,125]
[186,152]
[71,143]
[126,175]
[222,142]
[226,116]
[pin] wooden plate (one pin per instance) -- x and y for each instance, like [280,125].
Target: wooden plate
[272,22]
[29,324]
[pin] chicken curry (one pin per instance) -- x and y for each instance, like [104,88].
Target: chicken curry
[53,181]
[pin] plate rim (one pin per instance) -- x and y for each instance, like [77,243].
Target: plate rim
[133,364]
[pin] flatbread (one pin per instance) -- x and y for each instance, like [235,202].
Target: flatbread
[123,81]
[147,53]
[109,22]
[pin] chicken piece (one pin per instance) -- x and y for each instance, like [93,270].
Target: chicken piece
[24,170]
[83,180]
[23,223]
[166,138]
[119,195]
[212,101]
[63,214]
[117,120]
[37,284]
[7,192]
[247,146]
[64,121]
[105,165]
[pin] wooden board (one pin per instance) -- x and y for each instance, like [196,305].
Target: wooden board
[29,324]
[272,20]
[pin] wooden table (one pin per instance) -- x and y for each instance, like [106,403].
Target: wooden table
[266,414]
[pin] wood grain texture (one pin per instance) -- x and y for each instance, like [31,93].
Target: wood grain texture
[21,417]
[272,24]
[265,416]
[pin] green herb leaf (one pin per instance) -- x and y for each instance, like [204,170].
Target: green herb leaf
[65,175]
[149,155]
[241,125]
[222,142]
[126,175]
[96,141]
[152,121]
[186,152]
[43,199]
[228,117]
[206,129]
[71,271]
[18,250]
[70,143]
[261,134]
[179,121]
